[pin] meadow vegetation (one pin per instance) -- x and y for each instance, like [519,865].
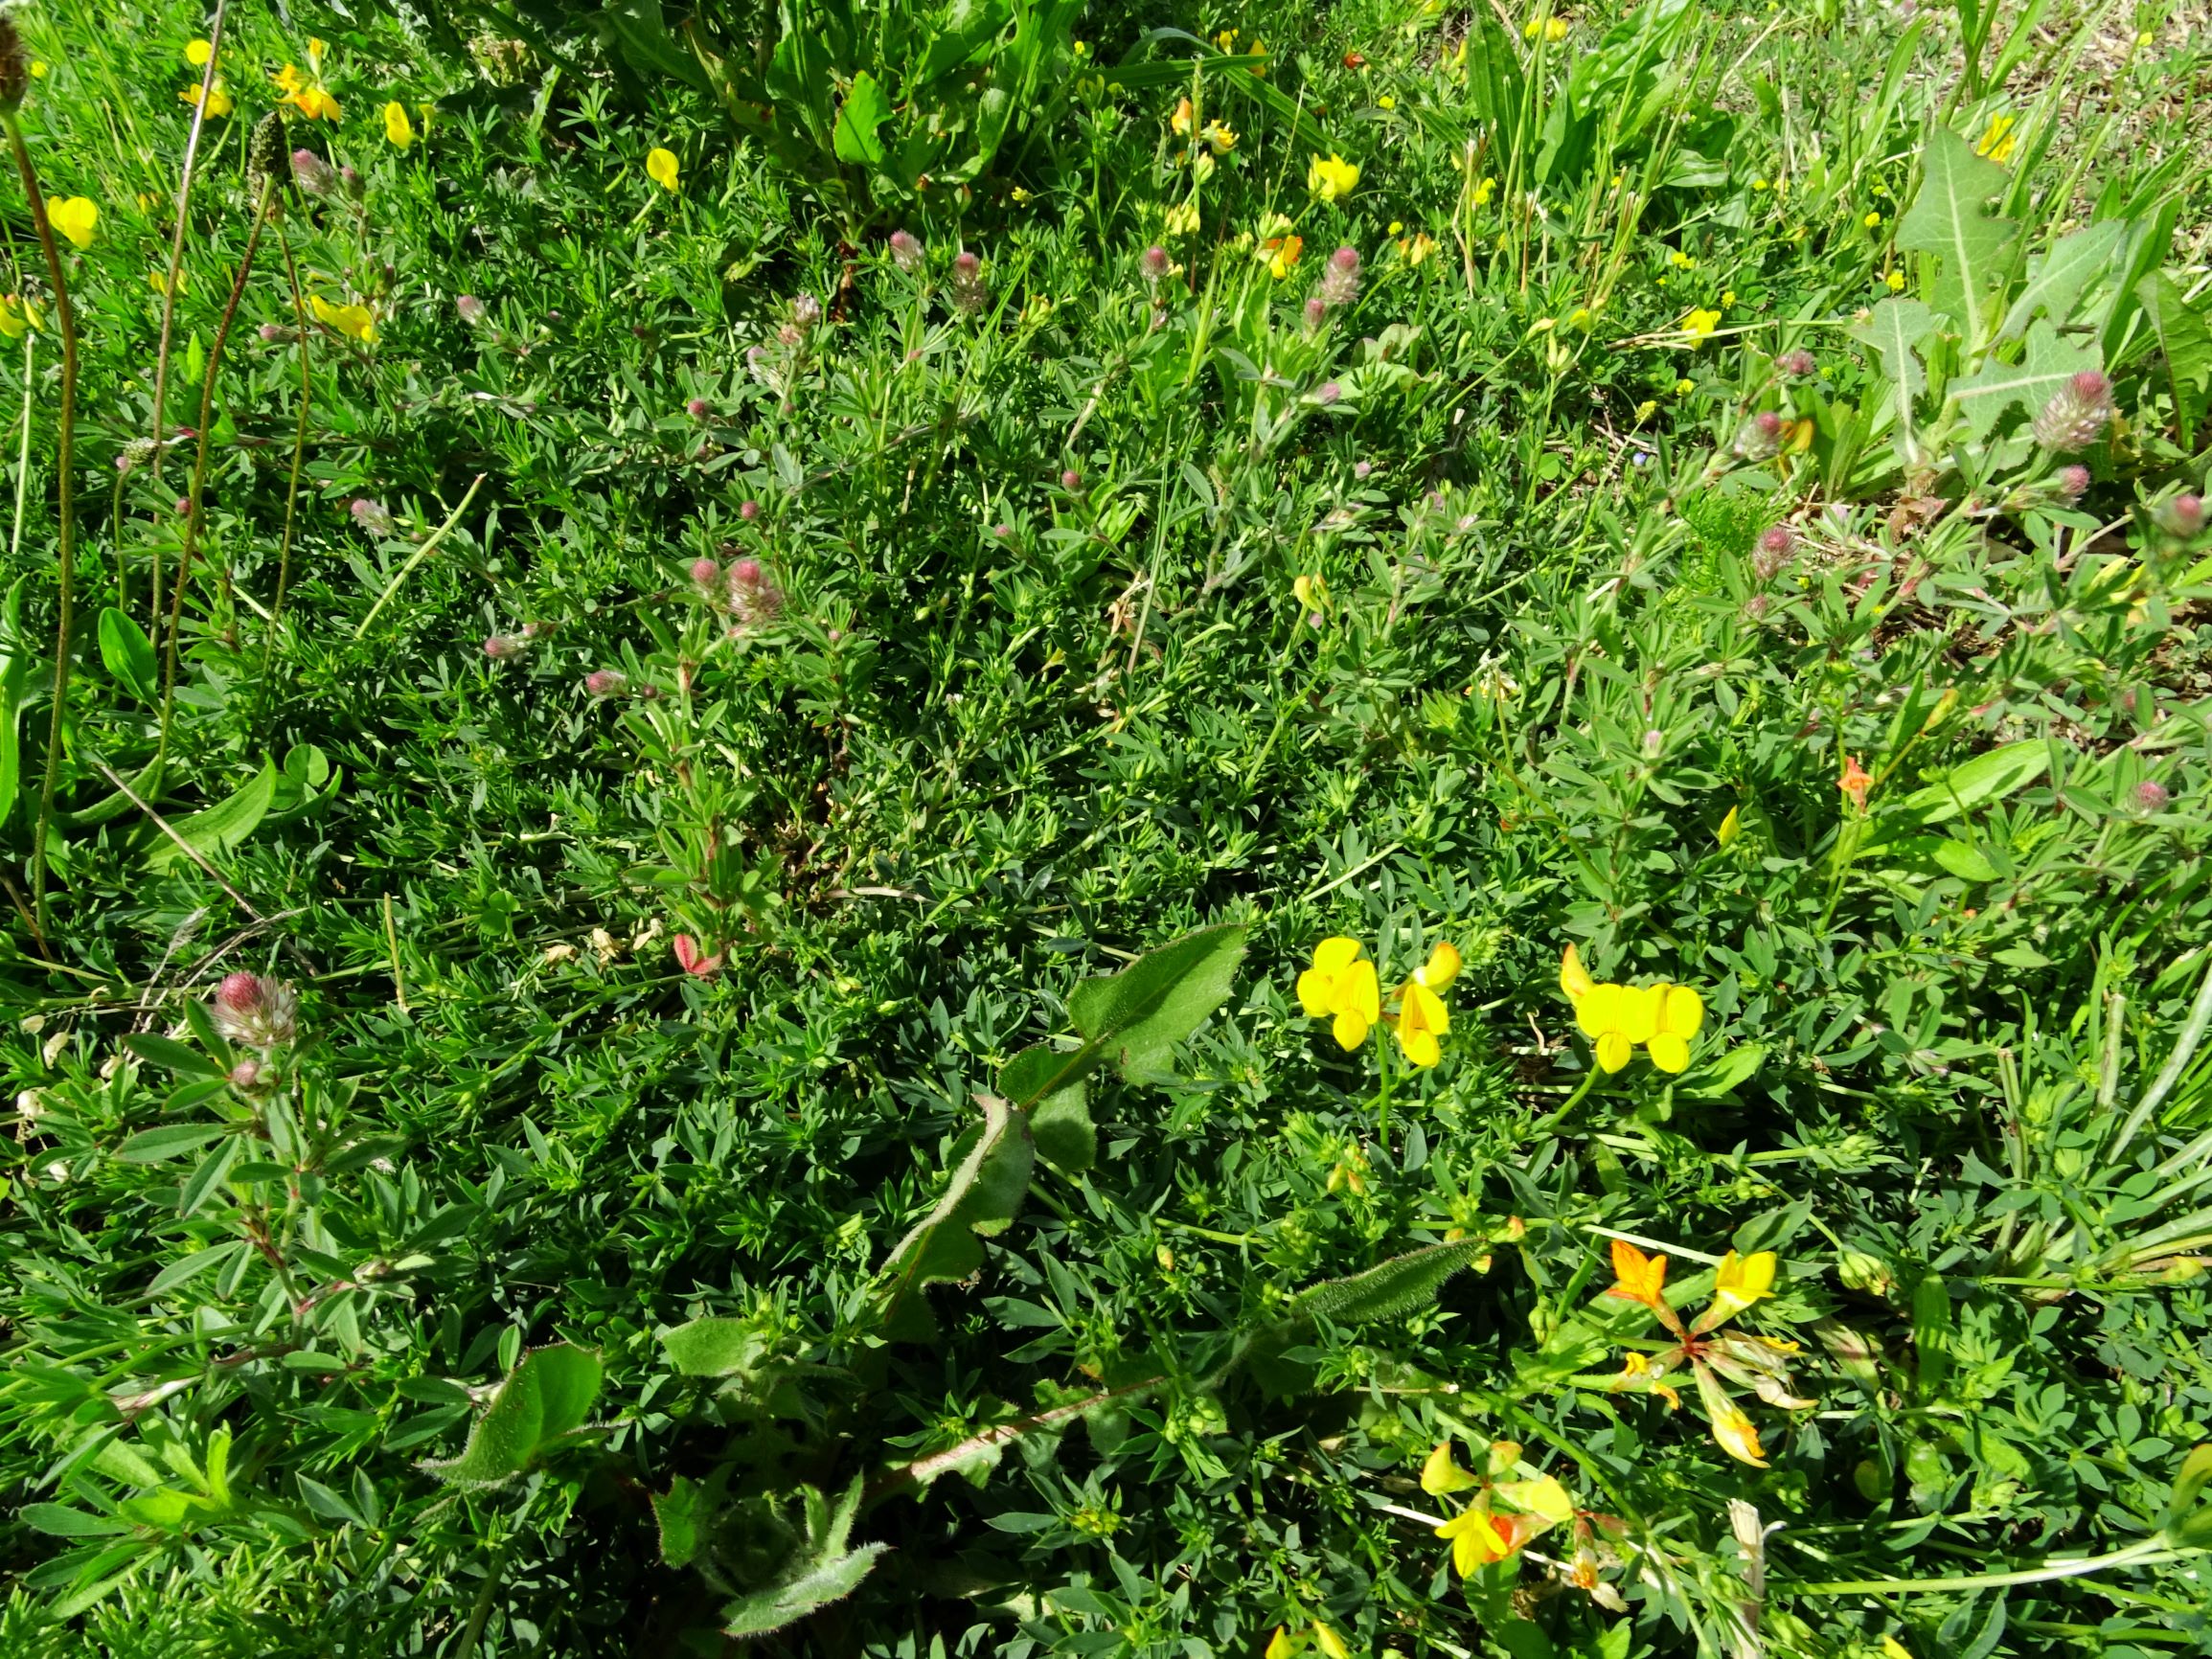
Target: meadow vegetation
[864,828]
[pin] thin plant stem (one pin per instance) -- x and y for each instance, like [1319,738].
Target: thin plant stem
[207,75]
[191,517]
[64,462]
[23,460]
[299,452]
[115,535]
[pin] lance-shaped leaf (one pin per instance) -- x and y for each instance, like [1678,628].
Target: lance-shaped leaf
[1390,1288]
[2057,277]
[2046,365]
[987,1186]
[1036,1081]
[545,1398]
[1894,333]
[682,1511]
[221,826]
[1948,221]
[1141,1012]
[821,1570]
[2187,343]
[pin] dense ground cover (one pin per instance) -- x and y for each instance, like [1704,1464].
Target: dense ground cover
[567,1096]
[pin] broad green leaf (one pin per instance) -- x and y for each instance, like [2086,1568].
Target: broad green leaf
[326,1503]
[713,1347]
[1989,776]
[1895,332]
[61,1521]
[213,1171]
[821,1570]
[129,656]
[2047,363]
[220,827]
[986,1189]
[170,1055]
[1726,1074]
[1141,1012]
[1058,1117]
[1392,1289]
[865,109]
[547,1395]
[152,1146]
[1965,861]
[2057,277]
[192,1267]
[2187,344]
[682,1514]
[1948,221]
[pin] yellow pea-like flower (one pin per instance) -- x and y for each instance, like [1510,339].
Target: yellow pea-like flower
[396,127]
[1440,1474]
[1679,1014]
[660,166]
[1737,1283]
[196,52]
[1422,1018]
[1341,986]
[1332,177]
[75,218]
[1735,1435]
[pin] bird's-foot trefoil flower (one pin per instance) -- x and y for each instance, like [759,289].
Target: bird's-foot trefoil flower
[1341,986]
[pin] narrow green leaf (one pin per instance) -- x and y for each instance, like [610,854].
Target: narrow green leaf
[170,1055]
[61,1521]
[986,1188]
[220,827]
[129,656]
[1392,1289]
[548,1394]
[152,1146]
[213,1171]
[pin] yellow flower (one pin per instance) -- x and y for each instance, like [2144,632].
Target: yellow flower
[1700,324]
[1647,409]
[1684,386]
[1418,247]
[396,127]
[355,321]
[18,316]
[1183,219]
[1759,183]
[1332,178]
[1484,189]
[1681,260]
[1996,144]
[1575,979]
[38,69]
[1386,102]
[1894,279]
[1727,298]
[1582,318]
[1871,220]
[1396,225]
[1311,591]
[75,217]
[158,281]
[1440,1474]
[660,166]
[1282,254]
[1422,1018]
[1442,966]
[1258,49]
[1731,827]
[1226,41]
[1284,1646]
[1555,29]
[1329,1642]
[1479,1537]
[196,52]
[1619,1018]
[1183,120]
[1737,1283]
[1341,986]
[1736,1436]
[1681,1014]
[1221,136]
[218,98]
[1639,1276]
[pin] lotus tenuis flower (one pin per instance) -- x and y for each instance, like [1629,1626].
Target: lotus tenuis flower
[1483,1532]
[1700,324]
[75,217]
[1619,1019]
[1341,987]
[1422,1016]
[1998,141]
[196,52]
[357,322]
[396,127]
[1714,1356]
[1332,177]
[307,92]
[218,98]
[660,166]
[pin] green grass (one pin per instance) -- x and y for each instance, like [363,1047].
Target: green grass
[1022,691]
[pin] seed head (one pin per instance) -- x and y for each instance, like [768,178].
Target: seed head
[1797,364]
[745,573]
[268,164]
[1316,313]
[355,186]
[1153,263]
[312,173]
[1777,546]
[2077,414]
[373,516]
[1339,283]
[967,290]
[906,250]
[245,1075]
[14,67]
[1759,437]
[806,310]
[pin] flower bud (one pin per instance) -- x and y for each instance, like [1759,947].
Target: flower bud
[249,1009]
[1797,364]
[268,164]
[1316,313]
[745,573]
[241,993]
[245,1074]
[373,517]
[2072,481]
[1329,393]
[1153,263]
[705,572]
[906,250]
[1361,469]
[356,187]
[749,510]
[1002,530]
[2152,796]
[2077,414]
[1071,480]
[500,647]
[311,173]
[606,682]
[806,310]
[696,408]
[2182,516]
[967,290]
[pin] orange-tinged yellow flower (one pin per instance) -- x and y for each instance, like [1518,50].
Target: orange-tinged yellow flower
[1735,1435]
[1341,986]
[1440,1474]
[75,218]
[396,127]
[1700,324]
[1312,592]
[1442,966]
[1283,255]
[1574,979]
[1639,1276]
[1417,248]
[1220,136]
[1637,1372]
[1185,117]
[1855,782]
[1332,178]
[1478,1537]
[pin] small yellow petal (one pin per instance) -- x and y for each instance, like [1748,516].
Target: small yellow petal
[1614,1051]
[1641,1011]
[1574,979]
[1440,1474]
[1362,994]
[196,52]
[1350,1030]
[1332,956]
[1599,1009]
[1442,968]
[1683,1011]
[1318,993]
[1669,1051]
[1738,1438]
[1419,1047]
